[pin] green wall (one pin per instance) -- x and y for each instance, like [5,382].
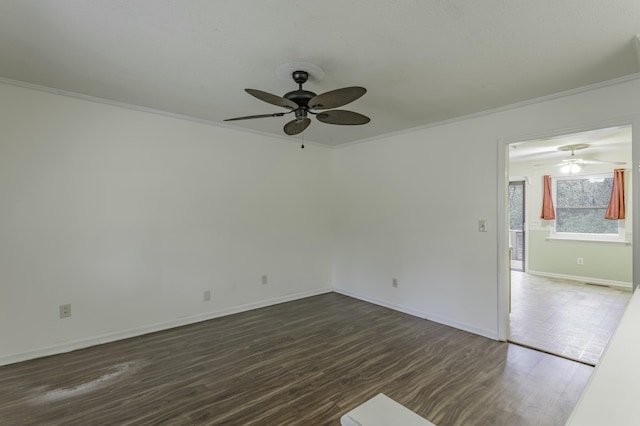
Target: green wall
[602,261]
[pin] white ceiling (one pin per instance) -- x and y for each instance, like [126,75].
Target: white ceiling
[606,144]
[422,61]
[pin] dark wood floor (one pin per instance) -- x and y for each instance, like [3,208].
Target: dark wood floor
[300,363]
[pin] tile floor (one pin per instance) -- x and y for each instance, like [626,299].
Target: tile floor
[564,317]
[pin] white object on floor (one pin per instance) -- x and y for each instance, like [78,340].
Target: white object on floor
[382,411]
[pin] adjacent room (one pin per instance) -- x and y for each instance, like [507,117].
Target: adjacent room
[571,264]
[259,213]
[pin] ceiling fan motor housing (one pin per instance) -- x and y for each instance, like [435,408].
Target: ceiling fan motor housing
[300,96]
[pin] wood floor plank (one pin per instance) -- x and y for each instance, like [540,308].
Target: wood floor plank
[300,363]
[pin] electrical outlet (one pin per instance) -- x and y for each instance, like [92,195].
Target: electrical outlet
[580,261]
[65,311]
[482,225]
[394,282]
[206,296]
[264,280]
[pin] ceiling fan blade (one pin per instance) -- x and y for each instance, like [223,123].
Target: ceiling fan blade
[249,117]
[579,161]
[549,165]
[272,99]
[294,127]
[594,161]
[336,98]
[342,117]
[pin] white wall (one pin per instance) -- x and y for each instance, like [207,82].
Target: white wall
[130,216]
[408,205]
[408,208]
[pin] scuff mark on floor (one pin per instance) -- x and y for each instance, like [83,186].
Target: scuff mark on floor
[120,370]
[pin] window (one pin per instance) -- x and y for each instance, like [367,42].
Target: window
[516,206]
[581,203]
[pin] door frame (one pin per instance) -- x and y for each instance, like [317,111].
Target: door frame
[504,263]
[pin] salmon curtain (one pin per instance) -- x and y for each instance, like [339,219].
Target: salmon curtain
[615,210]
[548,212]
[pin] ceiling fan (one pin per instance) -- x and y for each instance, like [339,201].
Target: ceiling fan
[573,164]
[303,102]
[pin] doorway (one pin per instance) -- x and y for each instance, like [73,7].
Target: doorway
[549,292]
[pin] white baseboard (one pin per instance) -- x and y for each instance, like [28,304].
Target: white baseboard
[491,334]
[600,281]
[151,328]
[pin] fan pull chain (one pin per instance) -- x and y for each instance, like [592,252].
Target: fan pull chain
[302,139]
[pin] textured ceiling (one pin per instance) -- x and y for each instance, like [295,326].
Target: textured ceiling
[422,61]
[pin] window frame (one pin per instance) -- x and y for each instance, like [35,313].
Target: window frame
[583,236]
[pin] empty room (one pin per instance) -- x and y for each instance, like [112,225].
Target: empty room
[296,213]
[571,276]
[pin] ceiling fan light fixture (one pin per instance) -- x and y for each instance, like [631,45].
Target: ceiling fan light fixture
[570,168]
[301,114]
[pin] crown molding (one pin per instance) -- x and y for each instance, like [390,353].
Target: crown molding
[147,110]
[571,92]
[521,104]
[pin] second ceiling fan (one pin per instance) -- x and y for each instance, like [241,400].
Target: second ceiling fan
[303,102]
[574,163]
